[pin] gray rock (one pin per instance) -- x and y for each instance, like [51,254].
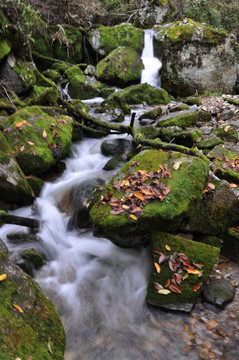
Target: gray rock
[116,147]
[219,292]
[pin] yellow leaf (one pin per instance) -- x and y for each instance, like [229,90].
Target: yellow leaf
[19,124]
[18,308]
[49,347]
[193,271]
[164,292]
[139,196]
[177,165]
[3,277]
[30,143]
[44,134]
[22,148]
[227,128]
[133,217]
[167,247]
[157,267]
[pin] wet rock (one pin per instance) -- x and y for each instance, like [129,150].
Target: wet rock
[33,260]
[227,132]
[183,119]
[151,13]
[116,147]
[187,137]
[36,184]
[3,247]
[193,100]
[122,67]
[231,244]
[145,93]
[113,163]
[84,87]
[115,106]
[152,114]
[209,142]
[38,139]
[18,238]
[14,187]
[29,315]
[197,253]
[219,292]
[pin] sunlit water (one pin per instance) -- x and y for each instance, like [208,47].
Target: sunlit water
[152,65]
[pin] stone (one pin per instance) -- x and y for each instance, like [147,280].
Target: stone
[84,87]
[115,147]
[197,253]
[145,93]
[184,118]
[219,292]
[151,13]
[122,67]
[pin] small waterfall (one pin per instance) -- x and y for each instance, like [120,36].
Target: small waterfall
[152,65]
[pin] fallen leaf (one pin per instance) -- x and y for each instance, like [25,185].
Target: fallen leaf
[133,217]
[49,347]
[162,258]
[3,277]
[212,324]
[227,128]
[157,286]
[34,152]
[22,148]
[175,289]
[19,124]
[157,267]
[177,165]
[164,292]
[192,271]
[139,196]
[185,276]
[167,283]
[44,134]
[167,247]
[197,286]
[30,143]
[18,308]
[211,186]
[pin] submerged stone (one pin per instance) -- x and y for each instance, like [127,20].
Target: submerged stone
[219,292]
[205,256]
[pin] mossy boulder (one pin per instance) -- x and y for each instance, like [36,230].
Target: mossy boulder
[225,162]
[41,95]
[152,114]
[138,94]
[29,324]
[218,210]
[84,87]
[209,142]
[114,101]
[14,187]
[104,39]
[193,56]
[123,66]
[183,192]
[231,244]
[205,256]
[227,133]
[187,137]
[183,119]
[38,140]
[54,75]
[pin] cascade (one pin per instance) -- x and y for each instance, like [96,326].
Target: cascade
[152,65]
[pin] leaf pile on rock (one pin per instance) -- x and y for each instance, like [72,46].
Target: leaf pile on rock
[140,188]
[181,266]
[232,164]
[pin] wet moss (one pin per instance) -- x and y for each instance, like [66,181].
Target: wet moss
[198,253]
[137,94]
[5,48]
[187,118]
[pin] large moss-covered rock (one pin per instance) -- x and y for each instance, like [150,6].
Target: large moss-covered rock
[195,57]
[181,191]
[84,87]
[184,118]
[205,256]
[218,210]
[104,39]
[14,187]
[38,139]
[138,94]
[42,95]
[29,324]
[121,67]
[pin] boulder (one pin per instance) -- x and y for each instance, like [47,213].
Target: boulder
[14,187]
[217,211]
[37,139]
[151,13]
[145,93]
[195,57]
[183,118]
[84,87]
[104,39]
[115,147]
[219,292]
[230,246]
[183,272]
[122,67]
[150,192]
[29,317]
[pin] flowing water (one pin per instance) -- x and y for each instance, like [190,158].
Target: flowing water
[152,65]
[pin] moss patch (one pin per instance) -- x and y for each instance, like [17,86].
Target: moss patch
[198,253]
[5,48]
[137,94]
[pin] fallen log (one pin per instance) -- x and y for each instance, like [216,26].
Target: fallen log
[18,220]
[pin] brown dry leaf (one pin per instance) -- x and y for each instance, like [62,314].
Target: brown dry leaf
[44,134]
[18,308]
[157,286]
[162,258]
[34,152]
[212,324]
[3,277]
[31,143]
[139,196]
[175,289]
[167,247]
[177,278]
[19,124]
[164,292]
[197,286]
[157,267]
[22,148]
[211,186]
[167,283]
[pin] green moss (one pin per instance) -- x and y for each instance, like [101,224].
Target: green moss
[187,138]
[137,94]
[41,95]
[73,71]
[84,87]
[104,39]
[5,48]
[193,100]
[54,75]
[38,325]
[226,132]
[187,118]
[26,72]
[152,114]
[114,101]
[34,258]
[198,253]
[232,101]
